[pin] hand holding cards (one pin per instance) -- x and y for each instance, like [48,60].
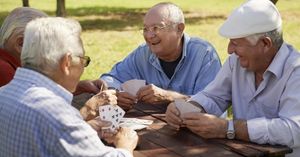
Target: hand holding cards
[133,86]
[113,114]
[185,107]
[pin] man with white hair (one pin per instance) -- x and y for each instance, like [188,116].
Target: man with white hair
[260,79]
[173,64]
[11,40]
[36,116]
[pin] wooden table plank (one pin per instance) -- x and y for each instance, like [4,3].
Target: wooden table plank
[159,139]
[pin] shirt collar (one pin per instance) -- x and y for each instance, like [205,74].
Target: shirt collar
[4,55]
[277,65]
[41,80]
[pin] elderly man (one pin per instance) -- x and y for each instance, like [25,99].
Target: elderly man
[11,41]
[173,64]
[35,112]
[260,79]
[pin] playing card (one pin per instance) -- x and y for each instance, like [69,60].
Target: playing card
[133,86]
[185,107]
[111,113]
[135,123]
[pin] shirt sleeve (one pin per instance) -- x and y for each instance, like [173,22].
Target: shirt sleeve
[123,71]
[67,134]
[285,129]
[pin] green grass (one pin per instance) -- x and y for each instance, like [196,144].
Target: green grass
[111,27]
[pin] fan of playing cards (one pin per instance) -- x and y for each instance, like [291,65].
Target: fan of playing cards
[111,113]
[185,107]
[114,114]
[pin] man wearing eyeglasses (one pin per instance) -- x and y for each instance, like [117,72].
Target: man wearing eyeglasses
[173,64]
[11,42]
[36,116]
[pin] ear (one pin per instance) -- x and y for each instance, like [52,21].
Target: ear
[180,27]
[19,44]
[268,44]
[65,64]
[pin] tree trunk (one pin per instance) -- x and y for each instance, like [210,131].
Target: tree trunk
[60,8]
[25,3]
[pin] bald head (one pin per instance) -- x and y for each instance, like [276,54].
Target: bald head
[15,23]
[169,12]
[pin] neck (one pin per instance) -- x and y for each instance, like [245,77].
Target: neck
[174,54]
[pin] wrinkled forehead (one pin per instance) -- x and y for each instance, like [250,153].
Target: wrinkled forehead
[157,15]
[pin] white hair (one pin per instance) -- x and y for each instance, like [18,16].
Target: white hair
[15,22]
[275,35]
[175,13]
[47,40]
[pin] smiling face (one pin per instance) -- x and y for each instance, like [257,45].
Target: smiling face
[161,35]
[255,57]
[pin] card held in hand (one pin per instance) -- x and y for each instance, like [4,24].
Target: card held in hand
[113,114]
[185,107]
[133,86]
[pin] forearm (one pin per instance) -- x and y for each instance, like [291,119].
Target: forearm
[241,130]
[172,95]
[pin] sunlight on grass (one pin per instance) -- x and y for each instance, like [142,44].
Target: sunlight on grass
[111,27]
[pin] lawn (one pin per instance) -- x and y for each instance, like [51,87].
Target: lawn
[111,27]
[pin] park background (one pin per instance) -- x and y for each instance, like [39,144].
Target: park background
[111,28]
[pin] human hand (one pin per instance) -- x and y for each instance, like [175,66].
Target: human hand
[97,124]
[153,95]
[172,116]
[126,138]
[88,86]
[125,100]
[91,108]
[205,125]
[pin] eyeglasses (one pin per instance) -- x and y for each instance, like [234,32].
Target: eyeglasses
[86,60]
[156,29]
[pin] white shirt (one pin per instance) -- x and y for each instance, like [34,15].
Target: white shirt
[272,110]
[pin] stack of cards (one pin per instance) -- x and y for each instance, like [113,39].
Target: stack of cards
[113,114]
[135,123]
[133,86]
[185,107]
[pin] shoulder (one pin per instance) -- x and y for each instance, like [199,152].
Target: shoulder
[141,52]
[196,42]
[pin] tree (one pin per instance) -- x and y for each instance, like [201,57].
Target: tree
[25,3]
[60,8]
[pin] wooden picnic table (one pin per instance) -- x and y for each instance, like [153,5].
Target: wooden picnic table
[160,140]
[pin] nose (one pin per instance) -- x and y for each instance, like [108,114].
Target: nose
[149,34]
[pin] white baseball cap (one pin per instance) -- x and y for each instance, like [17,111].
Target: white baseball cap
[252,17]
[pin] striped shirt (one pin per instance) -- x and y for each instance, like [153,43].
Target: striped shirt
[36,119]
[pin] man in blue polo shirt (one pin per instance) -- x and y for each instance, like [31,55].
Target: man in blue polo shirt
[173,64]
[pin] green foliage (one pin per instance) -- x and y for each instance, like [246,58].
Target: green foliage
[111,27]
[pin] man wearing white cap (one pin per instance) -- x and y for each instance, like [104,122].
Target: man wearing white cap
[260,79]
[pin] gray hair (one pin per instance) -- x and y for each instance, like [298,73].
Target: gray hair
[275,35]
[15,22]
[175,13]
[47,40]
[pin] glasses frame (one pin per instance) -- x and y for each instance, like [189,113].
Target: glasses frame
[156,29]
[86,60]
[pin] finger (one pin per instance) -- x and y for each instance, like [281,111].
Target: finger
[192,115]
[143,92]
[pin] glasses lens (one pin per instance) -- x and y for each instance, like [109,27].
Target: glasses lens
[87,60]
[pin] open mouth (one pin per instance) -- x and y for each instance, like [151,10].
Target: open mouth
[155,43]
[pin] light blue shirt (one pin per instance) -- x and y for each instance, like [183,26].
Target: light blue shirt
[36,119]
[272,110]
[198,66]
